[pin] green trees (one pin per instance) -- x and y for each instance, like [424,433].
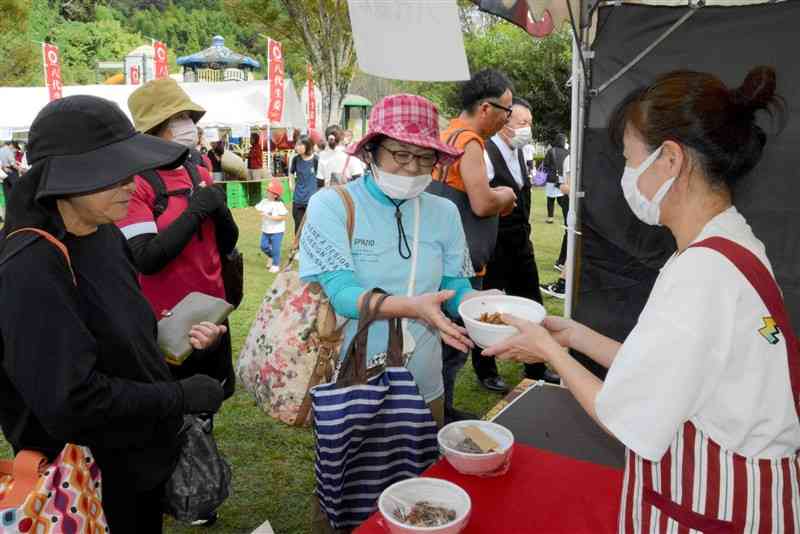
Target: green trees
[313,31]
[89,31]
[539,69]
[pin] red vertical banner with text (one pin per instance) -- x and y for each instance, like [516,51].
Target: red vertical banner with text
[162,70]
[52,70]
[133,76]
[275,57]
[312,99]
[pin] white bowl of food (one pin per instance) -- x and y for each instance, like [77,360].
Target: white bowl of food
[481,316]
[425,505]
[465,455]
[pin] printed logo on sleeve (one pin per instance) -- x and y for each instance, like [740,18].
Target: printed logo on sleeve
[770,331]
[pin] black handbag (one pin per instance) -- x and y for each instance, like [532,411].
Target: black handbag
[233,276]
[201,480]
[481,232]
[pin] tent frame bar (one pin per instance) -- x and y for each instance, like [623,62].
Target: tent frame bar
[693,8]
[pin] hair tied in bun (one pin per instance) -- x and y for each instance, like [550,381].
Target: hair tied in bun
[758,89]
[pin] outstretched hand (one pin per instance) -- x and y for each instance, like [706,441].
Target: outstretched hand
[428,308]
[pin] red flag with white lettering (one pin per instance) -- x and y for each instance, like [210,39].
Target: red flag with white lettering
[275,57]
[134,75]
[162,70]
[52,70]
[312,99]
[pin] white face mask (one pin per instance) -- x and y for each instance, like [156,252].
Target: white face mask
[522,136]
[648,211]
[184,132]
[401,187]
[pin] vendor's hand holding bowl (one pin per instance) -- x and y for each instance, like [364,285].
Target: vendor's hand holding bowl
[564,331]
[533,344]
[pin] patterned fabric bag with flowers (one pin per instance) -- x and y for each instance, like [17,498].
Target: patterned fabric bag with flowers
[294,342]
[61,498]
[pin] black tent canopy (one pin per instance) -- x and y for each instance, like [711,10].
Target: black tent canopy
[618,256]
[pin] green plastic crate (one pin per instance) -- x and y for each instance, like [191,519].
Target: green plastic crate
[253,192]
[236,195]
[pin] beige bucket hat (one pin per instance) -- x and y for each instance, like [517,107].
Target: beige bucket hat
[157,101]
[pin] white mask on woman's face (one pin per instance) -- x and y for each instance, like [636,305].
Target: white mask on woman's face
[184,131]
[401,187]
[648,211]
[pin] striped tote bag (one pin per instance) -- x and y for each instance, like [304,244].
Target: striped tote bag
[372,429]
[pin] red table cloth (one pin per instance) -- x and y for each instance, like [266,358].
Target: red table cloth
[542,492]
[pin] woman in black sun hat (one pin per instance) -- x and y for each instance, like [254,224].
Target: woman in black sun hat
[80,362]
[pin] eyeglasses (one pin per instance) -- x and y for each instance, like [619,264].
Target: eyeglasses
[403,157]
[499,106]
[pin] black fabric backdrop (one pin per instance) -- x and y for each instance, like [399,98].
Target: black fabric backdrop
[620,256]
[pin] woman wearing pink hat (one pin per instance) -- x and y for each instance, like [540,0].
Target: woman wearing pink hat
[406,241]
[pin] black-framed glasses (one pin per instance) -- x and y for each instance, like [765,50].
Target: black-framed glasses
[404,157]
[500,106]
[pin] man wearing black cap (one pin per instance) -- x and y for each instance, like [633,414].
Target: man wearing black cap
[80,360]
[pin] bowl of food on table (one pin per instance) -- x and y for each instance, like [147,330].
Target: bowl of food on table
[475,447]
[424,505]
[483,317]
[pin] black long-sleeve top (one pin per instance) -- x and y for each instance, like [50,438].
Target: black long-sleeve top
[80,363]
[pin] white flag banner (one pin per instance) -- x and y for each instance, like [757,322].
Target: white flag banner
[409,39]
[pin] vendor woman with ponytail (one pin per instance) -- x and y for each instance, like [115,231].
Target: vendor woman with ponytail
[704,390]
[401,149]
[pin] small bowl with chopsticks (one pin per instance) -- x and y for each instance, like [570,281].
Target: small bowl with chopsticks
[481,316]
[475,447]
[424,505]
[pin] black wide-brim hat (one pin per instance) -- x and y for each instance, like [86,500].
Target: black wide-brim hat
[88,144]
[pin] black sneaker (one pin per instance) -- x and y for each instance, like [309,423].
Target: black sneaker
[557,289]
[206,521]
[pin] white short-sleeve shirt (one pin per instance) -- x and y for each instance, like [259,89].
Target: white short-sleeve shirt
[701,352]
[272,208]
[338,161]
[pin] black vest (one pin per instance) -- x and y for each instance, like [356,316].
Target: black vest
[519,219]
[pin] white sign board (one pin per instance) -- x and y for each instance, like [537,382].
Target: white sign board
[211,134]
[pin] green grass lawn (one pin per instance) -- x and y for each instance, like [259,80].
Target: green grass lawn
[273,463]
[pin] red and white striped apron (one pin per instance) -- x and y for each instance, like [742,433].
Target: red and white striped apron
[698,486]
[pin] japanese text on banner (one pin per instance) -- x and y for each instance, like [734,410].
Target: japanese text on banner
[162,70]
[275,54]
[52,70]
[312,100]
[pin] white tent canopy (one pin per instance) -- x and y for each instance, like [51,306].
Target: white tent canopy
[227,104]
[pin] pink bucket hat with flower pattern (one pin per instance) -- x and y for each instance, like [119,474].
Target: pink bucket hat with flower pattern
[410,119]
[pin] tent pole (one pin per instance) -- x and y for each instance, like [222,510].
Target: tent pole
[269,149]
[578,121]
[577,83]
